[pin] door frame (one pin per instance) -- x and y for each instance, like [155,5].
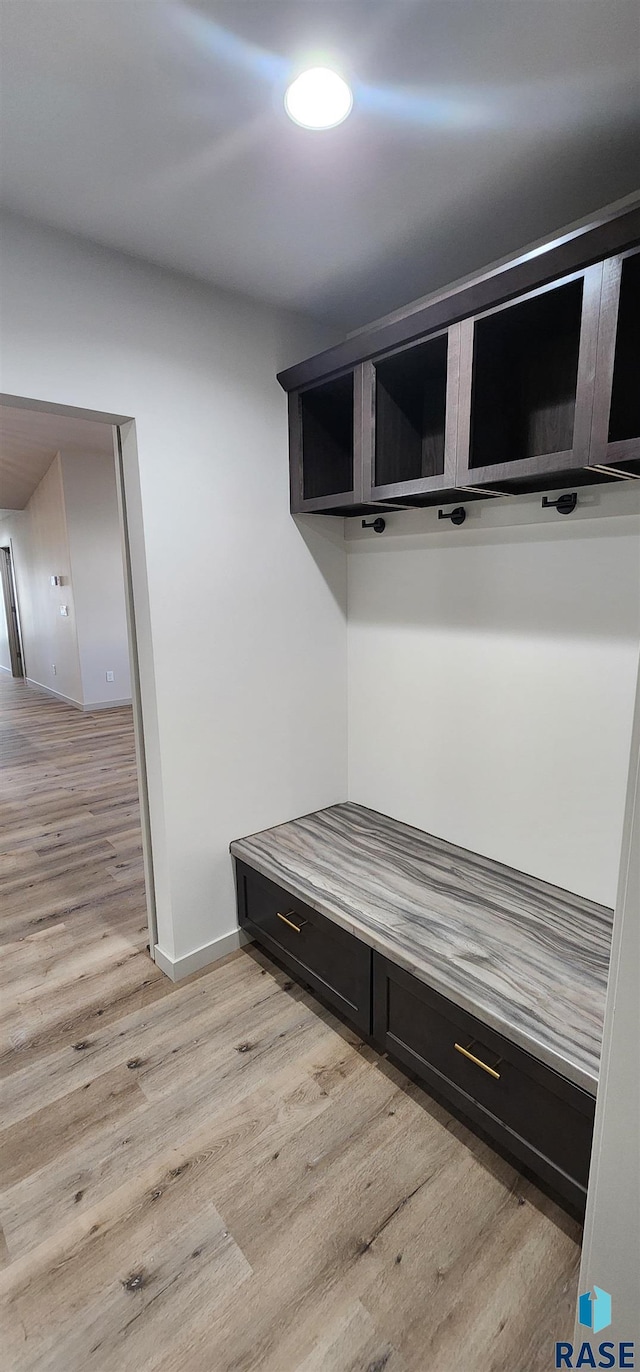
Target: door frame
[126,470]
[12,611]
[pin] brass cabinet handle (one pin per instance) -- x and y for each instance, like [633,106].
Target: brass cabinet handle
[478,1062]
[285,920]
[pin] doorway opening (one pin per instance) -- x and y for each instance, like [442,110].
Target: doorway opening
[11,625]
[77,819]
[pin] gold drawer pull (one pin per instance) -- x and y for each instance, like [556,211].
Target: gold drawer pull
[285,920]
[478,1062]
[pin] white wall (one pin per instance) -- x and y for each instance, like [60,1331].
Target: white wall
[71,527]
[242,633]
[611,1249]
[491,679]
[95,546]
[490,668]
[41,550]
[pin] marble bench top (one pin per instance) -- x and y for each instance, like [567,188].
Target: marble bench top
[526,958]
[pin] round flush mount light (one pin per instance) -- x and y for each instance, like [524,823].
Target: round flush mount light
[318,99]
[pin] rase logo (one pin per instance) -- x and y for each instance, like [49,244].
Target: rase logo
[594,1312]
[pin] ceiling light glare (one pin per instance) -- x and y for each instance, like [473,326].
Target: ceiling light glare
[318,99]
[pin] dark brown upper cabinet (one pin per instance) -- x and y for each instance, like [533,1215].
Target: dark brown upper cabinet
[410,406]
[525,377]
[615,442]
[324,446]
[526,390]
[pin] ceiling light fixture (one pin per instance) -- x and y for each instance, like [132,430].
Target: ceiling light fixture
[318,99]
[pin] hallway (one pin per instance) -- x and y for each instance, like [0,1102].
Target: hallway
[219,1175]
[71,878]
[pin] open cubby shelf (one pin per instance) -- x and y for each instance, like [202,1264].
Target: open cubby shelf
[410,413]
[525,371]
[624,416]
[524,378]
[327,438]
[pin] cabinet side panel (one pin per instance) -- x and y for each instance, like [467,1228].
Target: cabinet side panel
[587,363]
[295,453]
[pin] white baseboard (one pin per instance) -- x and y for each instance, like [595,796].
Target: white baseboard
[5,669]
[68,700]
[105,704]
[177,968]
[77,704]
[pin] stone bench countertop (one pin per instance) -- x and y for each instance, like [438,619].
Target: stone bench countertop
[528,959]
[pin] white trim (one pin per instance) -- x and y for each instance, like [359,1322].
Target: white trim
[77,704]
[5,669]
[177,968]
[125,455]
[105,704]
[611,1247]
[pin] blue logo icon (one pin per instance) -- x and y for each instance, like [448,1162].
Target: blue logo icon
[594,1311]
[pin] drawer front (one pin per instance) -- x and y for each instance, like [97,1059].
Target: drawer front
[337,965]
[542,1119]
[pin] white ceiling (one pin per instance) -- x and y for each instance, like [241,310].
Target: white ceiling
[157,127]
[29,441]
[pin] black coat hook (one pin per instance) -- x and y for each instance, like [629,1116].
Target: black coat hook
[456,516]
[378,525]
[565,504]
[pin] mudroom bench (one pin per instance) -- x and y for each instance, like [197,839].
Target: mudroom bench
[487,984]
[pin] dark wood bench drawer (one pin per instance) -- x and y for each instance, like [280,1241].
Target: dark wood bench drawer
[538,1116]
[332,961]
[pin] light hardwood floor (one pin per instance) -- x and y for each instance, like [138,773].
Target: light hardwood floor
[218,1176]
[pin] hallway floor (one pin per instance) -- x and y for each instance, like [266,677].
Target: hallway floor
[218,1176]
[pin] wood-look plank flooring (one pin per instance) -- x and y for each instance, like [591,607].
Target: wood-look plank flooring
[218,1176]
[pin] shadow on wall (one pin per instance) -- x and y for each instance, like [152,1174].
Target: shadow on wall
[577,581]
[322,536]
